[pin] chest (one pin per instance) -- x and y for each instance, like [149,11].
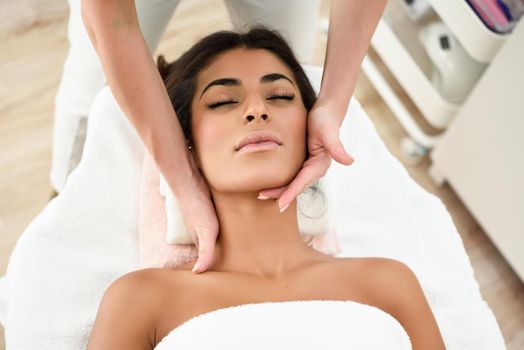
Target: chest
[214,292]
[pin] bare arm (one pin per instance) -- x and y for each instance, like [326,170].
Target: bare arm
[404,298]
[125,318]
[132,75]
[351,26]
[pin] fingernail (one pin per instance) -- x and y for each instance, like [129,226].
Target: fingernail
[262,197]
[281,210]
[196,267]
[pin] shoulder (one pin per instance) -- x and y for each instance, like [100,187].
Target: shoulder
[389,283]
[147,291]
[376,269]
[389,272]
[379,272]
[136,283]
[126,314]
[396,288]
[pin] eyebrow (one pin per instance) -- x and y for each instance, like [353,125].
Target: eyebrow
[268,78]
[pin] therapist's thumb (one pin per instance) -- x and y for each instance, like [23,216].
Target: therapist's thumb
[338,153]
[206,252]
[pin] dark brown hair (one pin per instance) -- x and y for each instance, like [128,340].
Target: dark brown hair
[180,76]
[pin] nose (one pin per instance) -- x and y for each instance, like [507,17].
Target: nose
[256,110]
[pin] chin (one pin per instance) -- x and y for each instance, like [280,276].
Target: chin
[252,174]
[252,180]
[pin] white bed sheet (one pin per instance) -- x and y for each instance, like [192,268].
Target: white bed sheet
[87,236]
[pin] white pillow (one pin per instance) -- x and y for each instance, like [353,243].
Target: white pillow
[314,216]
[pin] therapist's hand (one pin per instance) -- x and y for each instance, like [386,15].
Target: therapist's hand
[199,213]
[323,145]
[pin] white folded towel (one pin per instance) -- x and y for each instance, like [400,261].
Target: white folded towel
[304,324]
[314,216]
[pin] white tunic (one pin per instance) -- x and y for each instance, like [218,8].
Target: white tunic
[304,325]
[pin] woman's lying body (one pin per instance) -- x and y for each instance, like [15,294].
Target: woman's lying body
[175,296]
[226,87]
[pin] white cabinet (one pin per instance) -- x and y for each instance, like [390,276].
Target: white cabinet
[396,42]
[481,154]
[480,151]
[481,43]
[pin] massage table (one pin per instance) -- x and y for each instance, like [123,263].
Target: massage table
[86,237]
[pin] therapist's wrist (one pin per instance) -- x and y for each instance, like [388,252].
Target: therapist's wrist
[337,97]
[185,178]
[337,106]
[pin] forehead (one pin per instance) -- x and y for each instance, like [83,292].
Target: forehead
[243,64]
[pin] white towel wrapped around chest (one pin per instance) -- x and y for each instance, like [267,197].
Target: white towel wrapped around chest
[304,324]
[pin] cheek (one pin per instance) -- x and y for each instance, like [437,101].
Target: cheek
[295,155]
[207,135]
[210,140]
[298,135]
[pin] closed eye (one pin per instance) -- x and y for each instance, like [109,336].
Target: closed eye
[214,105]
[283,97]
[220,103]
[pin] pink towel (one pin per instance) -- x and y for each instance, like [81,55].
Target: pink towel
[152,223]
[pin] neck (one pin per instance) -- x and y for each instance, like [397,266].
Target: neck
[255,237]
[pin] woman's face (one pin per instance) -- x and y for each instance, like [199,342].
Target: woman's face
[240,93]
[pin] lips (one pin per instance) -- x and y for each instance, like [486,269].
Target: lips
[258,137]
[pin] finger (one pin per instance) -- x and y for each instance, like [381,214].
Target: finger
[336,148]
[206,252]
[272,192]
[339,154]
[304,178]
